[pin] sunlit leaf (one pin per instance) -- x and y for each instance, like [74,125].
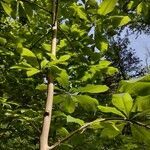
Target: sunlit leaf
[123,102]
[75,120]
[106,7]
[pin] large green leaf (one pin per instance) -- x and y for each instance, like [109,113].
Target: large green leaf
[63,79]
[123,102]
[7,8]
[90,88]
[79,11]
[112,130]
[106,7]
[119,21]
[138,86]
[75,120]
[111,110]
[87,102]
[66,102]
[142,103]
[141,134]
[29,56]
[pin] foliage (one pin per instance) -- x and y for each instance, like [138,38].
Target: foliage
[79,72]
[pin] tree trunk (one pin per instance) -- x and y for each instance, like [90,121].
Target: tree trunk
[50,86]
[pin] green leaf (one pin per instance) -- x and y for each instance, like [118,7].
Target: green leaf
[102,44]
[111,110]
[46,47]
[142,103]
[123,102]
[66,102]
[79,10]
[75,120]
[106,7]
[92,89]
[63,79]
[64,58]
[32,72]
[141,134]
[136,87]
[3,41]
[119,21]
[87,102]
[22,66]
[62,132]
[41,87]
[29,56]
[7,8]
[111,131]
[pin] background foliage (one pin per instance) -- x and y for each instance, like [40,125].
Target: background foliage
[85,70]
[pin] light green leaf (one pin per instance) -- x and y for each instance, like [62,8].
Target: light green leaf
[119,21]
[64,58]
[79,10]
[3,41]
[63,79]
[46,47]
[75,120]
[32,72]
[87,102]
[92,89]
[138,86]
[22,66]
[66,102]
[112,130]
[41,87]
[29,56]
[111,110]
[62,132]
[7,8]
[106,7]
[142,103]
[123,102]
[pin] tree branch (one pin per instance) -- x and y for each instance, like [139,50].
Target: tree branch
[90,123]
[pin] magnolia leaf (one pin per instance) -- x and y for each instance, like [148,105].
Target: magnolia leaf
[75,120]
[138,86]
[66,102]
[142,103]
[111,110]
[119,21]
[63,79]
[32,72]
[141,134]
[29,56]
[46,47]
[3,41]
[112,130]
[41,87]
[87,102]
[123,102]
[7,8]
[106,7]
[92,89]
[62,132]
[64,58]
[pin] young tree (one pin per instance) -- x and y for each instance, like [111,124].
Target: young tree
[80,114]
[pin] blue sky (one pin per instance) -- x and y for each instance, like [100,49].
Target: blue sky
[140,45]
